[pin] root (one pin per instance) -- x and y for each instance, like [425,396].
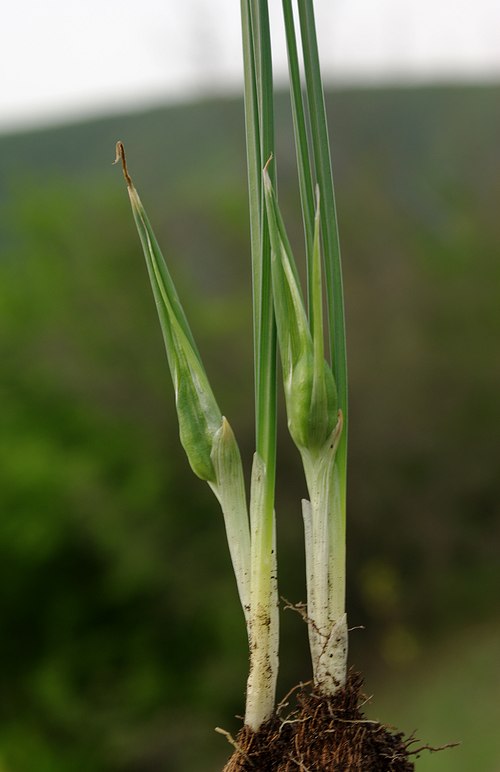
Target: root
[229,737]
[323,734]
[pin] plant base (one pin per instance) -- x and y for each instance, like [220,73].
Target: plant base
[322,734]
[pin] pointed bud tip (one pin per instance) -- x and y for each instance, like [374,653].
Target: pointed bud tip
[226,432]
[268,162]
[265,173]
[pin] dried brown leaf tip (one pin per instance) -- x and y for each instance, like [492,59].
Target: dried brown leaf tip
[120,156]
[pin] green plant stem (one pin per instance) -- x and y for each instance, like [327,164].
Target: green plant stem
[316,425]
[263,618]
[334,287]
[325,559]
[304,160]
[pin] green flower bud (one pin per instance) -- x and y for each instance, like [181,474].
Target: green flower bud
[197,411]
[310,391]
[206,436]
[311,403]
[199,420]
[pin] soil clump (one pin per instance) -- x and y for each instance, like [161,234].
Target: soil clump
[322,734]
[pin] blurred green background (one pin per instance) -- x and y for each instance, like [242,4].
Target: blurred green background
[122,644]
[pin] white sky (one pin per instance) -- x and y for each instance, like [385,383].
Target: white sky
[62,59]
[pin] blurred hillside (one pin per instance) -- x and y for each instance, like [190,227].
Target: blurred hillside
[122,642]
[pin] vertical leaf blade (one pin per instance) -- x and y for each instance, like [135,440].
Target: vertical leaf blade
[329,227]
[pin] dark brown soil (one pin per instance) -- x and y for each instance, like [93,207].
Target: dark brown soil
[322,734]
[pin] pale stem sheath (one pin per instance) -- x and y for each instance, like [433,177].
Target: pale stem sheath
[264,622]
[325,567]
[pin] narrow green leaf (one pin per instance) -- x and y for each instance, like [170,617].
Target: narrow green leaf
[265,343]
[305,166]
[254,166]
[329,228]
[263,619]
[324,405]
[259,126]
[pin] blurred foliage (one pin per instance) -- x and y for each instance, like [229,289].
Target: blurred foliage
[451,695]
[122,642]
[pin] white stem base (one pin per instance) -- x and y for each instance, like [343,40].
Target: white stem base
[263,622]
[324,533]
[331,666]
[261,684]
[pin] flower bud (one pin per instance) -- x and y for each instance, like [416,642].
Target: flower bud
[310,391]
[311,401]
[197,411]
[199,420]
